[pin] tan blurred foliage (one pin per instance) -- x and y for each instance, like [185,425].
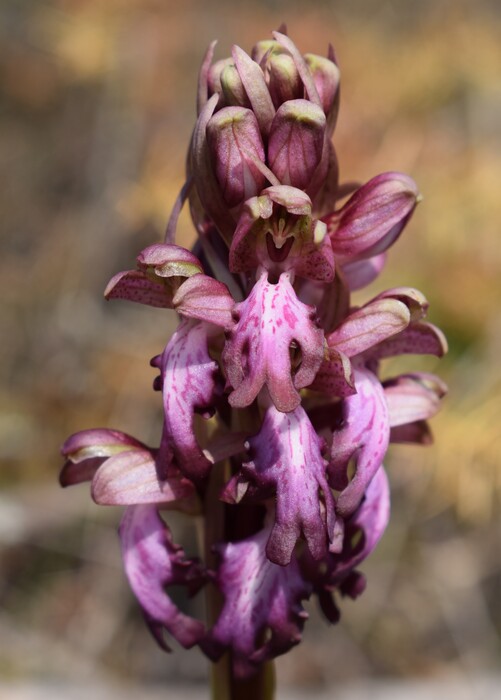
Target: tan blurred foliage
[97,105]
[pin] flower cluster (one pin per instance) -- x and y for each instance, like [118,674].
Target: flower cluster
[270,348]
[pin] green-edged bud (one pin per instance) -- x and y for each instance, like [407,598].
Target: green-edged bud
[236,149]
[325,74]
[214,75]
[280,72]
[296,142]
[232,87]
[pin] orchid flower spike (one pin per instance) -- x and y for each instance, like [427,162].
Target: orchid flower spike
[277,415]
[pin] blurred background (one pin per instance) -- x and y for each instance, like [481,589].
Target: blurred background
[97,102]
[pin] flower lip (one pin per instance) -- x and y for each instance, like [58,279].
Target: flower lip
[257,352]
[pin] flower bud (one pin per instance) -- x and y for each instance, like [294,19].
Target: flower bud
[214,75]
[213,81]
[296,142]
[326,78]
[280,72]
[373,217]
[232,87]
[262,48]
[235,146]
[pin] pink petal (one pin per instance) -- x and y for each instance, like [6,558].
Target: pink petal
[413,397]
[415,300]
[287,460]
[232,87]
[135,285]
[214,79]
[371,518]
[368,326]
[161,268]
[243,253]
[418,433]
[205,298]
[131,478]
[152,562]
[373,217]
[291,198]
[257,352]
[188,381]
[314,260]
[363,530]
[259,597]
[364,437]
[361,273]
[280,72]
[87,450]
[98,442]
[417,339]
[335,376]
[324,187]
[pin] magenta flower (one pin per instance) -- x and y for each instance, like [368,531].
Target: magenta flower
[288,475]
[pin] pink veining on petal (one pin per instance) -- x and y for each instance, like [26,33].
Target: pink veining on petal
[152,561]
[302,67]
[258,350]
[188,381]
[373,217]
[131,478]
[296,142]
[259,596]
[363,437]
[325,73]
[369,325]
[363,530]
[419,338]
[135,285]
[235,143]
[286,458]
[371,518]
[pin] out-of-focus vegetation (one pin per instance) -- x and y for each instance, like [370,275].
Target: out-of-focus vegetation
[97,105]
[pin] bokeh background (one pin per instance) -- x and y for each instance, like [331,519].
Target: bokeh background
[97,103]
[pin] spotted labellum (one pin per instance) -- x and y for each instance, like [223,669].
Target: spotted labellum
[277,415]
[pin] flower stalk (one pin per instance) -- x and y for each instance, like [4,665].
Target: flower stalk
[287,477]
